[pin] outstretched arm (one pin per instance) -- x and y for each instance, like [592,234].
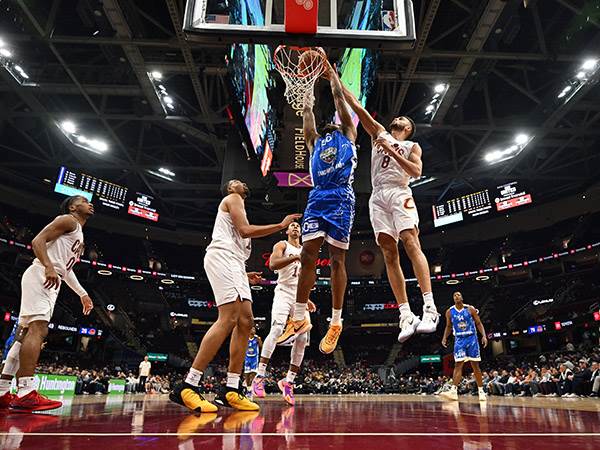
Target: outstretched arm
[448,329]
[235,207]
[479,325]
[370,125]
[341,106]
[308,122]
[278,260]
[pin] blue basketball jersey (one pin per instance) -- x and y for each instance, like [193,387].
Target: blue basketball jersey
[333,161]
[9,341]
[462,322]
[252,350]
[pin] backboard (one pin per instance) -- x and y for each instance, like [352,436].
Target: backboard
[341,23]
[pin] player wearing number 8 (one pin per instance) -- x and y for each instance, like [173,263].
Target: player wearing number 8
[395,159]
[57,248]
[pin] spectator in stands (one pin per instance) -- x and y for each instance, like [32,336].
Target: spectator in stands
[565,381]
[145,367]
[531,384]
[595,379]
[131,383]
[581,379]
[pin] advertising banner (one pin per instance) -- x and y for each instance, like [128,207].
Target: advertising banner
[116,386]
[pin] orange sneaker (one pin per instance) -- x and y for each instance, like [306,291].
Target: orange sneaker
[294,328]
[329,341]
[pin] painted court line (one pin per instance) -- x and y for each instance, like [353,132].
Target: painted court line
[174,434]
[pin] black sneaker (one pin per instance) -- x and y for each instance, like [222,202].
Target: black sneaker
[185,394]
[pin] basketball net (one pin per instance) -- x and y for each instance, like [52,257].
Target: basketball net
[299,74]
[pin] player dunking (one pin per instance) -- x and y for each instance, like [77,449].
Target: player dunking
[285,260]
[251,361]
[225,266]
[57,248]
[395,159]
[329,213]
[464,322]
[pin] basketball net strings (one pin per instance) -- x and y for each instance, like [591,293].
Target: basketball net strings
[299,84]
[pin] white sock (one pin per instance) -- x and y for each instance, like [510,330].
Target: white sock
[428,299]
[291,376]
[336,316]
[5,386]
[26,385]
[194,377]
[480,389]
[262,370]
[233,380]
[404,309]
[454,388]
[299,311]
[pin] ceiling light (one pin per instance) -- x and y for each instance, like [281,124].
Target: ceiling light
[2,44]
[580,75]
[521,139]
[104,272]
[168,100]
[136,277]
[156,75]
[589,64]
[452,282]
[482,278]
[439,88]
[166,172]
[429,108]
[5,52]
[69,126]
[99,145]
[493,155]
[167,281]
[511,149]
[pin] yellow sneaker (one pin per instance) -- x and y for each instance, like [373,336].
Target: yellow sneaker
[329,341]
[189,396]
[191,424]
[236,400]
[294,328]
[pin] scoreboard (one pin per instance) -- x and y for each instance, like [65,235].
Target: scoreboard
[480,203]
[106,193]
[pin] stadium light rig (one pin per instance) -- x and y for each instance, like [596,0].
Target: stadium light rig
[420,181]
[7,60]
[163,173]
[521,141]
[70,130]
[439,92]
[166,100]
[586,73]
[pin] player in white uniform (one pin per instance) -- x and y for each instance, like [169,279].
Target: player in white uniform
[285,260]
[395,159]
[225,266]
[57,248]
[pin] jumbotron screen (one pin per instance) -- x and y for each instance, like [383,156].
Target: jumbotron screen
[106,193]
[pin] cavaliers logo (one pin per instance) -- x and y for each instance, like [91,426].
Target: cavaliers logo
[328,155]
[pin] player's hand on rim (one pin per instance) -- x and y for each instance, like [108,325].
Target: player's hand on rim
[254,277]
[287,220]
[52,278]
[88,305]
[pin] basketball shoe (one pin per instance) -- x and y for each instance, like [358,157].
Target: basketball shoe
[234,398]
[258,387]
[408,325]
[6,400]
[430,320]
[329,341]
[34,401]
[450,394]
[185,394]
[294,328]
[287,389]
[481,395]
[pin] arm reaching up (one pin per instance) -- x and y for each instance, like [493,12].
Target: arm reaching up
[341,106]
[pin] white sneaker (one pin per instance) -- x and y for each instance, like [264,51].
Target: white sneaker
[482,397]
[430,320]
[408,326]
[451,394]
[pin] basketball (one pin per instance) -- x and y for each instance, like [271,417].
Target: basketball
[308,62]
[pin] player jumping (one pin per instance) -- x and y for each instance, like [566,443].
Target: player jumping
[395,159]
[464,322]
[57,248]
[329,213]
[225,267]
[285,260]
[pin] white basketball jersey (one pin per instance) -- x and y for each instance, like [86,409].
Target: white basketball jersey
[225,237]
[385,171]
[65,250]
[287,277]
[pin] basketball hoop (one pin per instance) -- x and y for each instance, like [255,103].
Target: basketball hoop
[300,67]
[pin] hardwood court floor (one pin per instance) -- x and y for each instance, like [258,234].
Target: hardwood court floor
[316,422]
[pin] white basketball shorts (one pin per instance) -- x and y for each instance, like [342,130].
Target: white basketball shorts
[37,302]
[392,210]
[227,277]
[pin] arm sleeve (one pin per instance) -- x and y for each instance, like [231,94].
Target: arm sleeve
[73,283]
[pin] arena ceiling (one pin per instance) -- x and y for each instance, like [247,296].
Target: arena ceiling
[505,65]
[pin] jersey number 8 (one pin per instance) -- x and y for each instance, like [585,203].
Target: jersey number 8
[385,162]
